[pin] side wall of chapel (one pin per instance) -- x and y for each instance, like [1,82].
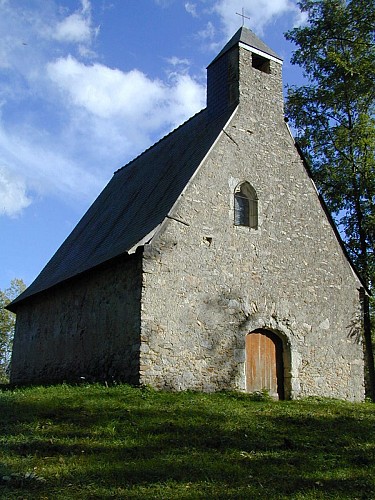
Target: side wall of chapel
[207,283]
[85,329]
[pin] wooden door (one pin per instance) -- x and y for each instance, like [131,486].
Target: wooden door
[264,366]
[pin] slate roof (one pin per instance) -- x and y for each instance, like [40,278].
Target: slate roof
[247,37]
[135,201]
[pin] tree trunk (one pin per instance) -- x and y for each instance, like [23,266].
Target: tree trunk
[369,354]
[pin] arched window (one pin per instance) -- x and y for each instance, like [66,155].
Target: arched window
[245,206]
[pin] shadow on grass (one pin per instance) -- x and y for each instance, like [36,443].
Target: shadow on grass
[134,444]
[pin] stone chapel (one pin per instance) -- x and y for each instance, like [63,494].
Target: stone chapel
[208,262]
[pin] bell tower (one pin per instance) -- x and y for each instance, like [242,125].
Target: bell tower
[245,70]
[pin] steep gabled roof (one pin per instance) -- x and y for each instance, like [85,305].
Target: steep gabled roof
[136,200]
[247,37]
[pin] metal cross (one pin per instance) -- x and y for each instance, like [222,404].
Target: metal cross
[243,16]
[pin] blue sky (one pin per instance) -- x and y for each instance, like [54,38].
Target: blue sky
[86,85]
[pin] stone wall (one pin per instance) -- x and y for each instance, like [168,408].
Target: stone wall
[87,328]
[207,283]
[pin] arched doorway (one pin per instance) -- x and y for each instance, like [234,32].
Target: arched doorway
[264,363]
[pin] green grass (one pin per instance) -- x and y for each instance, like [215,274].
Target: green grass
[94,442]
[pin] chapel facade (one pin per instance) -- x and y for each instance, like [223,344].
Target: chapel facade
[209,262]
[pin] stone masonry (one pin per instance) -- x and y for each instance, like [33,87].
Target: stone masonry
[85,329]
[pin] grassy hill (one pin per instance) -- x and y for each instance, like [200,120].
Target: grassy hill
[95,442]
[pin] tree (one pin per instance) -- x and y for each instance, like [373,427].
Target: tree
[7,324]
[333,115]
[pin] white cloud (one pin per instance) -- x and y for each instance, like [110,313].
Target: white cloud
[176,61]
[74,28]
[86,6]
[77,27]
[261,13]
[187,97]
[191,8]
[37,152]
[32,31]
[300,19]
[208,33]
[129,98]
[103,91]
[164,3]
[35,164]
[13,194]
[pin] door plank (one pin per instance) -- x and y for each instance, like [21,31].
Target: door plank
[261,363]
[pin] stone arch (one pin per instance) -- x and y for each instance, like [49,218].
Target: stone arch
[267,363]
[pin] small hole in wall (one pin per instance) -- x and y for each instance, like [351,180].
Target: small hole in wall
[207,240]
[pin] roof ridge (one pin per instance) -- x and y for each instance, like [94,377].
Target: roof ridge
[159,141]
